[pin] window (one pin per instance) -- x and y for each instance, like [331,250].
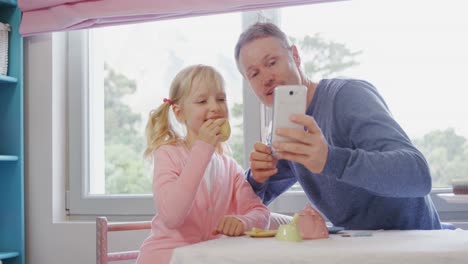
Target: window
[136,64]
[414,52]
[122,73]
[415,59]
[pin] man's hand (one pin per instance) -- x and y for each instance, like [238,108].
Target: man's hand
[311,150]
[262,163]
[210,131]
[230,226]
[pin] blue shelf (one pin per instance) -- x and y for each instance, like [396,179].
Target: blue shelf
[7,2]
[8,158]
[7,79]
[12,237]
[7,255]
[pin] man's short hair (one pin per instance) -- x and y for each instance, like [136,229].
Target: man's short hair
[257,31]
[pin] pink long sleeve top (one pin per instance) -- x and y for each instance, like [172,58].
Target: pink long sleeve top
[187,210]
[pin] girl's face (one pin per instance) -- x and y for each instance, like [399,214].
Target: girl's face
[205,101]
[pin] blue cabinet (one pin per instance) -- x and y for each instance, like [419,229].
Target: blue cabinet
[11,143]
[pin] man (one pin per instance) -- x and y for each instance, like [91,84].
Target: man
[354,162]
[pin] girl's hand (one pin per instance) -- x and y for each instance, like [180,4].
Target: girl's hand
[230,226]
[210,131]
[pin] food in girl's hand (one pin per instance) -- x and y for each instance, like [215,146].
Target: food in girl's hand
[225,131]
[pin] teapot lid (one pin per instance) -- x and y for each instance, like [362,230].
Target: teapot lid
[308,210]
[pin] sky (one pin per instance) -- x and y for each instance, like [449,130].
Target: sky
[414,52]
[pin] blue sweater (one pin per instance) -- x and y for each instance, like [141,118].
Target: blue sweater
[374,177]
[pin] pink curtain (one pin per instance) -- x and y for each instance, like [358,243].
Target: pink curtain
[41,16]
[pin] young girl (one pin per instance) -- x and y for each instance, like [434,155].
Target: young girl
[200,193]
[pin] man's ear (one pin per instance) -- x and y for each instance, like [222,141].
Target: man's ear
[295,55]
[178,112]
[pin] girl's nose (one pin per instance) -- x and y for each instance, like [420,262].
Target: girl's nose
[213,105]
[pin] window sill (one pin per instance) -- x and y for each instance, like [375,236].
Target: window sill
[454,198]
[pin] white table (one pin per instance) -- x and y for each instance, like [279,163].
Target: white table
[392,247]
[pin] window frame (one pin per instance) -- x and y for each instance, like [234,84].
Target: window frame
[78,202]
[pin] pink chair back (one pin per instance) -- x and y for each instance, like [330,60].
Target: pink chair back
[103,256]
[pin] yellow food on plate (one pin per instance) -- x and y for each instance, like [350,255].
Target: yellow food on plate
[258,232]
[225,131]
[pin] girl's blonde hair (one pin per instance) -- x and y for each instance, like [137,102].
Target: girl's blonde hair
[159,130]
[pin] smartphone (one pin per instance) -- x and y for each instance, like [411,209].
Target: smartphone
[287,100]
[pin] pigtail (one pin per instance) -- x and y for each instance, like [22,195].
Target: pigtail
[159,130]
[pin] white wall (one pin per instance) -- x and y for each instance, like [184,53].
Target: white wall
[50,237]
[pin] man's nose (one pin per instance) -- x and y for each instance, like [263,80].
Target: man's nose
[268,79]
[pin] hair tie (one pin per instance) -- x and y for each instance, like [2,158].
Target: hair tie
[169,101]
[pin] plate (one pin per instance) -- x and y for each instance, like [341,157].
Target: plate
[270,233]
[265,233]
[334,229]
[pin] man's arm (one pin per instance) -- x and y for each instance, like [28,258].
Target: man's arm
[377,155]
[275,185]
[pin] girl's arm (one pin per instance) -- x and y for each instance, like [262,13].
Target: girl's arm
[175,183]
[250,209]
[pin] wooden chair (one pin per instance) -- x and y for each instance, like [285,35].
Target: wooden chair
[103,256]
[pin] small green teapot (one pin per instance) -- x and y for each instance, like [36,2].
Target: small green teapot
[289,232]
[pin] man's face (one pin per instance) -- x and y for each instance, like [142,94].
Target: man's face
[265,63]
